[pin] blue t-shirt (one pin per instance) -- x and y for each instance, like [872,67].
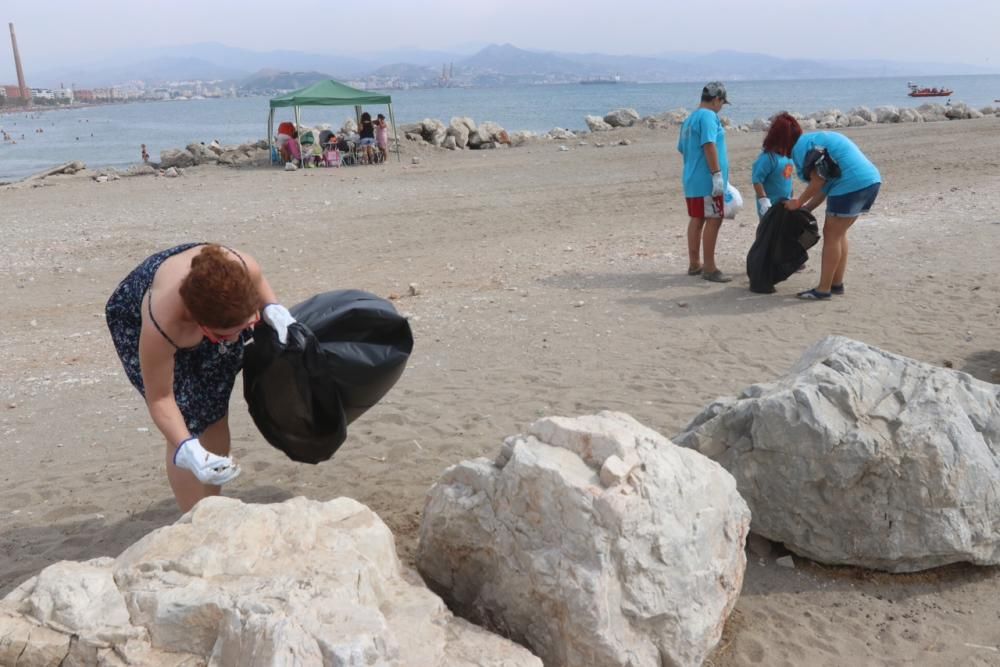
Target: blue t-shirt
[774,173]
[702,127]
[856,171]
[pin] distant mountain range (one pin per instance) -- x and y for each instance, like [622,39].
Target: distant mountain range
[491,65]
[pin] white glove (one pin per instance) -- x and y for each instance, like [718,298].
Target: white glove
[718,185]
[279,318]
[763,205]
[209,468]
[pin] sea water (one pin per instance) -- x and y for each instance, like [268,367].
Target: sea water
[111,135]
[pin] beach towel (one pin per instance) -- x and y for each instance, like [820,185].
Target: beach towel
[783,239]
[345,351]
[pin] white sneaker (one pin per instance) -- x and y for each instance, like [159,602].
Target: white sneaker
[209,468]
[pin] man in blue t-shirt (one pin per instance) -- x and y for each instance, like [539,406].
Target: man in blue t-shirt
[702,142]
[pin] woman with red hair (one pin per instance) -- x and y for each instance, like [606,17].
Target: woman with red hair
[179,322]
[772,171]
[839,173]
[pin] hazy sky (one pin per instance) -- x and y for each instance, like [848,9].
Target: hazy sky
[60,32]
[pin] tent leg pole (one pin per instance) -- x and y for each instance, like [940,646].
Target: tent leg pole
[302,161]
[270,136]
[395,133]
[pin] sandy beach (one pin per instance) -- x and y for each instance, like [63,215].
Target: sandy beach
[550,283]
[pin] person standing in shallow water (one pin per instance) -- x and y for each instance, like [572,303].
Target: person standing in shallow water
[179,322]
[702,142]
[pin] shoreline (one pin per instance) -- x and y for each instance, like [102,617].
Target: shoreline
[665,119]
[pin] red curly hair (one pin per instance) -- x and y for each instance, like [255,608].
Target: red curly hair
[783,134]
[218,291]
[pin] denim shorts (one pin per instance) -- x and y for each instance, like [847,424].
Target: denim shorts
[367,141]
[852,204]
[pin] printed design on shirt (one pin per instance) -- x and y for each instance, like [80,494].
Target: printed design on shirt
[789,170]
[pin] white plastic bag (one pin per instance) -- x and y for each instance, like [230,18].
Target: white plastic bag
[733,202]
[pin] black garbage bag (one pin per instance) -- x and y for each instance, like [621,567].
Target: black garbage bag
[345,351]
[783,239]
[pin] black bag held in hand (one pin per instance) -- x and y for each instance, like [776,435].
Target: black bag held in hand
[346,350]
[783,237]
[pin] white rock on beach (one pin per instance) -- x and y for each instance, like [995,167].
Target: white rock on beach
[863,457]
[591,540]
[490,131]
[621,117]
[864,113]
[202,154]
[139,170]
[886,114]
[433,131]
[560,134]
[596,124]
[522,137]
[176,158]
[459,128]
[296,583]
[932,113]
[675,116]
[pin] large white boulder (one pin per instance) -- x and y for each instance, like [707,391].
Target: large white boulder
[865,113]
[933,113]
[561,134]
[176,158]
[621,117]
[522,137]
[202,154]
[887,114]
[596,124]
[820,115]
[591,540]
[863,457]
[433,131]
[675,116]
[490,131]
[229,584]
[957,111]
[460,129]
[908,115]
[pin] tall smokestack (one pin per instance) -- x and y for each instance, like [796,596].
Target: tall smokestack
[17,63]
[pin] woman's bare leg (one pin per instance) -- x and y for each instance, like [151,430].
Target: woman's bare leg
[186,487]
[838,274]
[834,251]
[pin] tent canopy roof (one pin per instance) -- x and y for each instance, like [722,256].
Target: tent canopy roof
[329,93]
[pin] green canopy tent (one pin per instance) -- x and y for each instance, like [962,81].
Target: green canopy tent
[329,93]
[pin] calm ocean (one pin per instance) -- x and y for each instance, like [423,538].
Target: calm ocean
[111,135]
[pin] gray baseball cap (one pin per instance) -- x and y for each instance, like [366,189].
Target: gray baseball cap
[712,90]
